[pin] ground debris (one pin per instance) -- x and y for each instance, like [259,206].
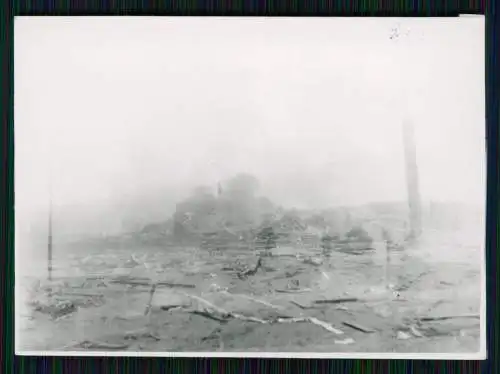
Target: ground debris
[345,341]
[300,290]
[81,294]
[86,344]
[216,288]
[225,315]
[337,301]
[313,261]
[401,335]
[146,283]
[213,335]
[81,300]
[325,325]
[312,320]
[416,332]
[445,283]
[167,308]
[358,327]
[444,318]
[142,333]
[186,319]
[209,315]
[55,308]
[263,302]
[409,284]
[301,306]
[248,272]
[287,274]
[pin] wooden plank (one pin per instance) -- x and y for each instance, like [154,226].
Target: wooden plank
[358,327]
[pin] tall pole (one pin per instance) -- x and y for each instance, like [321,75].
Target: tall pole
[49,243]
[412,180]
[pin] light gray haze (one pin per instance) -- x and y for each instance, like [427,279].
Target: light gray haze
[125,109]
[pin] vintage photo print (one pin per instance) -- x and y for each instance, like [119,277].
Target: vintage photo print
[250,187]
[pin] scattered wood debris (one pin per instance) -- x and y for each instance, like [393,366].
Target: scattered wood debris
[55,308]
[248,272]
[325,325]
[401,335]
[301,306]
[337,301]
[312,320]
[358,327]
[342,307]
[293,290]
[443,318]
[410,283]
[287,274]
[142,333]
[313,261]
[131,262]
[279,307]
[345,341]
[167,308]
[213,335]
[291,320]
[86,344]
[416,332]
[209,315]
[83,294]
[145,283]
[226,315]
[445,283]
[293,284]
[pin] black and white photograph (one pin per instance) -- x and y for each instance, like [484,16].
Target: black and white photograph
[250,187]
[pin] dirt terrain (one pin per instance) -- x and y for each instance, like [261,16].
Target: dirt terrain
[297,300]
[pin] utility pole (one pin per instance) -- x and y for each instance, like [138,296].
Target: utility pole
[49,243]
[412,181]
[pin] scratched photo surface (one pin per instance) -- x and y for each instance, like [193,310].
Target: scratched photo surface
[249,185]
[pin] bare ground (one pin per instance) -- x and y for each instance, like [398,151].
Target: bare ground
[440,277]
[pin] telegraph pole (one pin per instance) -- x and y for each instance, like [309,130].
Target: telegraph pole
[49,242]
[412,181]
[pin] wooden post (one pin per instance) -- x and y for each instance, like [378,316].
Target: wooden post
[412,180]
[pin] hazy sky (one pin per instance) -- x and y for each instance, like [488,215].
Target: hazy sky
[312,107]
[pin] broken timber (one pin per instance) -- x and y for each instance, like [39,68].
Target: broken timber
[248,272]
[358,327]
[444,318]
[227,314]
[337,301]
[145,283]
[208,315]
[293,290]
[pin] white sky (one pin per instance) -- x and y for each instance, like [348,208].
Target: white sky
[312,107]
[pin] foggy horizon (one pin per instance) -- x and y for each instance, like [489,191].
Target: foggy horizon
[137,109]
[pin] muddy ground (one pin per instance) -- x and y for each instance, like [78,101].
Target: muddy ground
[91,305]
